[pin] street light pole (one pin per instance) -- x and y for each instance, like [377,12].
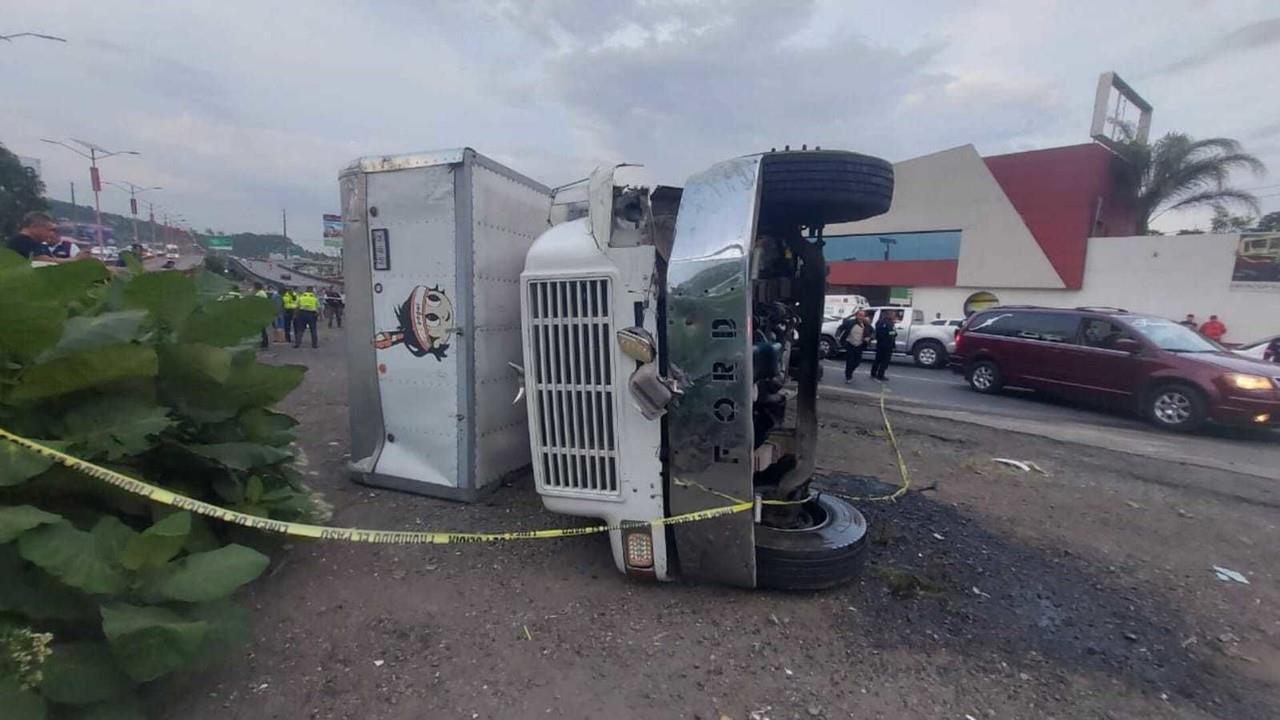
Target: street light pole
[9,38]
[95,152]
[133,200]
[151,212]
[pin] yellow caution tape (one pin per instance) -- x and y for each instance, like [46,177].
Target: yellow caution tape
[897,453]
[322,532]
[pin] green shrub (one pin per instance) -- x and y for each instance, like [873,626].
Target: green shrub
[154,375]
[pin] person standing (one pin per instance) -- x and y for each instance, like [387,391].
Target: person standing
[853,335]
[333,304]
[1213,329]
[259,291]
[305,317]
[1190,321]
[37,234]
[886,337]
[277,324]
[289,301]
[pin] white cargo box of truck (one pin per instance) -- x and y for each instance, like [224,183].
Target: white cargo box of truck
[434,244]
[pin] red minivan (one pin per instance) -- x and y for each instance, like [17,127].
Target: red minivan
[1169,373]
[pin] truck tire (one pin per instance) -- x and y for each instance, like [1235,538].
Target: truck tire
[826,347]
[830,553]
[821,187]
[929,354]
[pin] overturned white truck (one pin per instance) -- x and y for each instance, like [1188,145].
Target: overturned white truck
[671,359]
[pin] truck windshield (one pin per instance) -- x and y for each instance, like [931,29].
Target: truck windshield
[1169,335]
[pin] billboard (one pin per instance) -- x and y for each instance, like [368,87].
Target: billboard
[332,226]
[1257,264]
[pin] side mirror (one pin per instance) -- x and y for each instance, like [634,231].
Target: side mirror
[1128,345]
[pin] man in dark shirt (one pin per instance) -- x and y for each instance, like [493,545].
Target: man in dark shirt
[333,305]
[886,338]
[35,239]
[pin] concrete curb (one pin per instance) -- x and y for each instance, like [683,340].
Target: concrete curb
[1187,450]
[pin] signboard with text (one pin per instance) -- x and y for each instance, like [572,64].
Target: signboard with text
[219,242]
[332,226]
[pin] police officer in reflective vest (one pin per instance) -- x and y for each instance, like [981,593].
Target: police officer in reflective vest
[305,317]
[289,301]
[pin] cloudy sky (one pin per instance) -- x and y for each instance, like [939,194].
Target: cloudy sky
[243,108]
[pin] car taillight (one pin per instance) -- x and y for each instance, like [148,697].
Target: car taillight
[959,337]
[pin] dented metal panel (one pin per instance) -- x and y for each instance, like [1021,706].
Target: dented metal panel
[708,334]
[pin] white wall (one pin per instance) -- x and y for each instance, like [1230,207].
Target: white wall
[955,190]
[1168,276]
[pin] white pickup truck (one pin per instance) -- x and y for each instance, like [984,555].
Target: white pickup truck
[929,345]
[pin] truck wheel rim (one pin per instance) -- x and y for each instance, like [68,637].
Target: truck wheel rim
[928,356]
[983,377]
[1173,408]
[814,509]
[824,348]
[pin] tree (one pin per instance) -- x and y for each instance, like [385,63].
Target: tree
[20,191]
[1269,222]
[1225,222]
[1179,172]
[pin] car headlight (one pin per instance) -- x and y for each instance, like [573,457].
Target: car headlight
[1249,382]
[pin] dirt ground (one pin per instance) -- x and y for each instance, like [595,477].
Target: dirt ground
[1084,593]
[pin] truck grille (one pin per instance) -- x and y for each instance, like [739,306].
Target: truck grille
[571,385]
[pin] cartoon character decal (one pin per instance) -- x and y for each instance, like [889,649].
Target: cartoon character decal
[426,322]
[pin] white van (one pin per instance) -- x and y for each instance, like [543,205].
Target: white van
[842,306]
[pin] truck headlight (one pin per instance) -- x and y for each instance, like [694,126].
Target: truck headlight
[637,343]
[1249,382]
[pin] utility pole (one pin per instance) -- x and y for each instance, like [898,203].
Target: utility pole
[73,202]
[151,209]
[284,220]
[95,152]
[133,200]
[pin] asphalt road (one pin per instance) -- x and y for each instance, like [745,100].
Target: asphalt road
[281,274]
[945,394]
[945,389]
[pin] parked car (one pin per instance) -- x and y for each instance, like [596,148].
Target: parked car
[1171,375]
[106,253]
[929,345]
[1255,349]
[65,248]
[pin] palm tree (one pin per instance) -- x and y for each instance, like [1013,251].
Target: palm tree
[1179,172]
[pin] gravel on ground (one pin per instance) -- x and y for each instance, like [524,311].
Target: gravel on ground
[1084,592]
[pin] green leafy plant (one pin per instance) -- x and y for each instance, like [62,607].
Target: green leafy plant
[154,375]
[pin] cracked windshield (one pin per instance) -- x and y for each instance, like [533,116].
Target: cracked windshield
[654,359]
